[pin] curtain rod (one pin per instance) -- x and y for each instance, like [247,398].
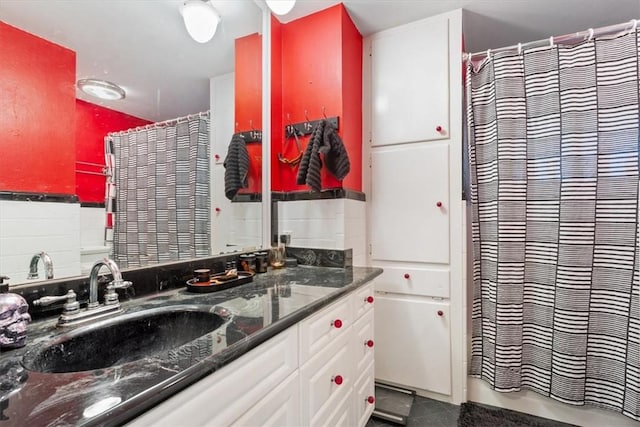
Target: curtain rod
[160,124]
[564,39]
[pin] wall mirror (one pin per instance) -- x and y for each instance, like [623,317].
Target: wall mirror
[145,48]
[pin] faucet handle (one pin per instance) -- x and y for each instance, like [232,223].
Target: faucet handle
[119,284]
[111,296]
[70,306]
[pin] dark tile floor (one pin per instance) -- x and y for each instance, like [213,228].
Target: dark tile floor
[425,413]
[432,413]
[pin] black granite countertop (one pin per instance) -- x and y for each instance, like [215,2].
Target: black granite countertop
[259,310]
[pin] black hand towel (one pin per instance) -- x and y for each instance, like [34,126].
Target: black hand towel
[311,164]
[236,166]
[326,141]
[334,153]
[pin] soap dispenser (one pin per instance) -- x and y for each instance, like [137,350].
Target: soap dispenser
[14,316]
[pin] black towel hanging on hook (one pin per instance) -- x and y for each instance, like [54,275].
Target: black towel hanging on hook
[326,141]
[236,166]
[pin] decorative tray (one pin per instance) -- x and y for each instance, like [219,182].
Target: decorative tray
[219,282]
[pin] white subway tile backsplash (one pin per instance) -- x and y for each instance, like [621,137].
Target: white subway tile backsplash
[243,229]
[300,242]
[27,228]
[323,243]
[325,224]
[92,226]
[359,260]
[311,209]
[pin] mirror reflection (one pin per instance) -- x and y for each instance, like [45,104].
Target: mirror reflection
[58,210]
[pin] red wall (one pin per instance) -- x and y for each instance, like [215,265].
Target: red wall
[93,123]
[248,82]
[248,102]
[352,99]
[277,124]
[321,64]
[37,114]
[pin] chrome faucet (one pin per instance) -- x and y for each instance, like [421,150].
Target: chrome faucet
[72,315]
[111,297]
[33,266]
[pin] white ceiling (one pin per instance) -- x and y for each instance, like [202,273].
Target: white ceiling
[142,44]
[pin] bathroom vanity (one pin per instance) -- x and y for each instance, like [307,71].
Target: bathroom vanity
[294,347]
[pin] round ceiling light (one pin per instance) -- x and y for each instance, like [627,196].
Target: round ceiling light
[201,19]
[281,7]
[101,89]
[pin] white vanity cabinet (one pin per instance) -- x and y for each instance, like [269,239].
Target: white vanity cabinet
[224,396]
[415,205]
[335,360]
[316,373]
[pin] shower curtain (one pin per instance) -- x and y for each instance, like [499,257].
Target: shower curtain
[553,147]
[162,210]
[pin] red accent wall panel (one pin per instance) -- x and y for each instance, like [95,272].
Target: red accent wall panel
[93,123]
[277,124]
[37,120]
[321,74]
[248,82]
[248,102]
[352,99]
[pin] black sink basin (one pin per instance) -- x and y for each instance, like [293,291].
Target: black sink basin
[124,339]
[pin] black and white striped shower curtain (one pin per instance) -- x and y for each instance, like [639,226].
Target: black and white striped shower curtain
[162,192]
[553,148]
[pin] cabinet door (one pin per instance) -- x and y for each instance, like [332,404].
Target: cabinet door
[410,83]
[364,395]
[319,330]
[362,300]
[321,391]
[222,397]
[280,408]
[410,203]
[342,415]
[412,343]
[363,342]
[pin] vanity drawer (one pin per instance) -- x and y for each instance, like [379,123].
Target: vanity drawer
[363,344]
[364,396]
[362,300]
[322,328]
[431,282]
[326,381]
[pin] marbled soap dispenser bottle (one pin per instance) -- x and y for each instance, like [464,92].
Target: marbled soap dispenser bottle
[14,316]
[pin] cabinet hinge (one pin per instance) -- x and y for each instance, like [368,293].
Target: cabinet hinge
[370,249]
[370,50]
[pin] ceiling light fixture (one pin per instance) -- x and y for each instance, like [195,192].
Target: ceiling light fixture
[201,19]
[101,89]
[281,7]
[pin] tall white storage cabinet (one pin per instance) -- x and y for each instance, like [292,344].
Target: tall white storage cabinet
[413,87]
